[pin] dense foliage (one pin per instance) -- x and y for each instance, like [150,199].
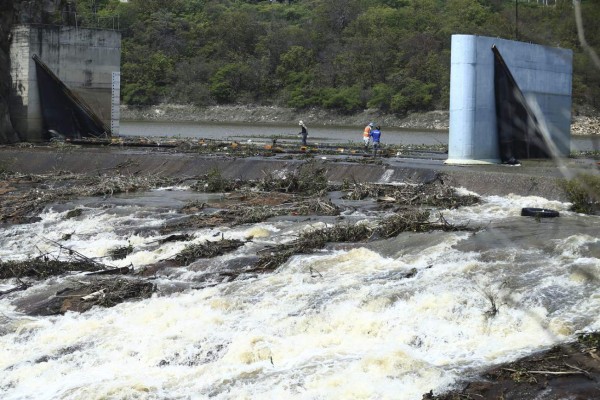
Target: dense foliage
[348,55]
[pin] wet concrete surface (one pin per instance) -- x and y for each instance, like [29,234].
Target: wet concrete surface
[533,177]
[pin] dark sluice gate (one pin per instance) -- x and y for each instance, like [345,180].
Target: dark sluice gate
[63,112]
[519,135]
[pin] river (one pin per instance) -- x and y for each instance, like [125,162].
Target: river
[317,134]
[342,323]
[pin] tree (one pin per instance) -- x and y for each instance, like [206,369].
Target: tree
[341,54]
[229,81]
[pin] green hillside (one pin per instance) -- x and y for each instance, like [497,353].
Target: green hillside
[347,55]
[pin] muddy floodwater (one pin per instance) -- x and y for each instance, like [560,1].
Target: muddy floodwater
[384,318]
[317,133]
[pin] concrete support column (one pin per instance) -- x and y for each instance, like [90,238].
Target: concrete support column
[544,75]
[83,59]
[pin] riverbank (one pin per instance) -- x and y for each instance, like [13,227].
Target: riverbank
[568,371]
[437,120]
[585,122]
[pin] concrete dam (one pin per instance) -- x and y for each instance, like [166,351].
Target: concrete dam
[82,67]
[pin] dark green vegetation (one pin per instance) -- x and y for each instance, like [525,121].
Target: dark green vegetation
[584,192]
[345,55]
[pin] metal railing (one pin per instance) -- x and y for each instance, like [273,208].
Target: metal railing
[31,13]
[72,18]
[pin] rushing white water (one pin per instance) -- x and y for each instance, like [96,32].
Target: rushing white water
[342,323]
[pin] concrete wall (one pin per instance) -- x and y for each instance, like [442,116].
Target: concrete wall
[544,75]
[7,16]
[84,59]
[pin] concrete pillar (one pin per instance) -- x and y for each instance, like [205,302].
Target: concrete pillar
[544,75]
[84,59]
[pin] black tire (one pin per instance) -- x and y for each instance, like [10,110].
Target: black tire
[539,212]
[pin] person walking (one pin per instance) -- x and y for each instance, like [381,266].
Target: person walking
[376,137]
[303,132]
[367,135]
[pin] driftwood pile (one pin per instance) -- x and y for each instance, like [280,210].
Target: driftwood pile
[214,182]
[303,193]
[281,145]
[432,194]
[83,294]
[207,249]
[91,283]
[102,293]
[242,211]
[32,192]
[99,288]
[300,192]
[390,226]
[42,268]
[308,179]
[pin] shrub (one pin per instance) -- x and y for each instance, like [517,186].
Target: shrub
[345,99]
[584,192]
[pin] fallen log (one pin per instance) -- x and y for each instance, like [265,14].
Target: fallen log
[114,271]
[94,296]
[14,289]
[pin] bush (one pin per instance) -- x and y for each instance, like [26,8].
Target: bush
[345,99]
[141,94]
[414,96]
[584,192]
[229,81]
[381,97]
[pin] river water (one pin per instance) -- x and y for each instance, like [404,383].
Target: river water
[342,323]
[317,134]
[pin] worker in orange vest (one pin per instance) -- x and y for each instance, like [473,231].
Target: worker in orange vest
[367,134]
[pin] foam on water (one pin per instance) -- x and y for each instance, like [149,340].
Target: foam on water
[353,324]
[494,208]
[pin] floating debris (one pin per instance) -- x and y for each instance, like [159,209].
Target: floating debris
[309,179]
[407,221]
[20,206]
[101,292]
[207,249]
[119,253]
[44,267]
[433,194]
[74,213]
[176,238]
[214,182]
